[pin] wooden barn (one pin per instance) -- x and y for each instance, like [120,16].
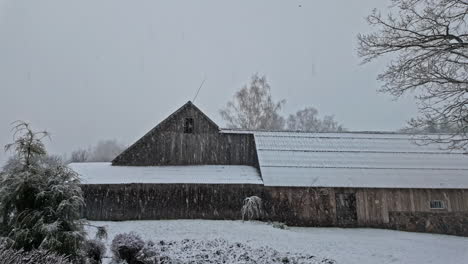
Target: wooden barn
[187,167]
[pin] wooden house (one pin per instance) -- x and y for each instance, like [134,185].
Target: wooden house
[187,167]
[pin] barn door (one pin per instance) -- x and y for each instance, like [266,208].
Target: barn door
[346,214]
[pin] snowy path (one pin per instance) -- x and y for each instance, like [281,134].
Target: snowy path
[359,246]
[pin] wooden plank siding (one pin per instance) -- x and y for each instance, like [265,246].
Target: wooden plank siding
[167,144]
[296,206]
[374,205]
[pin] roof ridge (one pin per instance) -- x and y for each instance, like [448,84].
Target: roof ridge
[370,132]
[361,168]
[361,151]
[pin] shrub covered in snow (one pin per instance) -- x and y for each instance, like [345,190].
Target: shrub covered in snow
[252,208]
[11,256]
[126,246]
[94,251]
[216,252]
[279,225]
[148,255]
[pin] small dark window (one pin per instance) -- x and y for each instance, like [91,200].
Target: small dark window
[188,125]
[437,204]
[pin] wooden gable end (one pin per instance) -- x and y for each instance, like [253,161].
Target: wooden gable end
[176,122]
[189,137]
[169,142]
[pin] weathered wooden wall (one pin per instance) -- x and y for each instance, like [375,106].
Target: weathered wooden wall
[170,148]
[167,144]
[374,205]
[164,201]
[299,206]
[117,202]
[409,209]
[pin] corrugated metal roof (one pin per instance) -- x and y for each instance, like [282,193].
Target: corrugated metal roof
[373,160]
[365,178]
[105,173]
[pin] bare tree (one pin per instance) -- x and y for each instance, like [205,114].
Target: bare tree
[308,120]
[428,41]
[253,107]
[80,155]
[429,127]
[106,151]
[29,144]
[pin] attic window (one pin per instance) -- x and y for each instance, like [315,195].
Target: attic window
[437,204]
[188,125]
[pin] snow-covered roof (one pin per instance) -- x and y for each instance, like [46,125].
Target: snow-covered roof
[105,173]
[355,160]
[374,160]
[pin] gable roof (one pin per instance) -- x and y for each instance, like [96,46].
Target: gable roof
[187,105]
[371,160]
[354,160]
[184,107]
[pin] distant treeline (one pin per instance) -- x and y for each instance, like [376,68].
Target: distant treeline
[103,151]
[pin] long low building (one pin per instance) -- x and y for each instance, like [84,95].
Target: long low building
[187,167]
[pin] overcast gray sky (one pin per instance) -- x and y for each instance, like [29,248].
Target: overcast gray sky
[112,69]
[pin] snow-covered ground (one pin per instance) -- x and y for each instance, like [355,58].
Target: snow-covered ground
[360,246]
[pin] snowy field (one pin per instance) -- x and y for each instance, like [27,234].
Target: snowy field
[350,246]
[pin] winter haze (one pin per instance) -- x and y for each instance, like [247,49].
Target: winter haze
[112,69]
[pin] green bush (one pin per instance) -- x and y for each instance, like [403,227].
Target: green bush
[40,199]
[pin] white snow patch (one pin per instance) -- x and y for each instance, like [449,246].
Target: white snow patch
[105,173]
[346,246]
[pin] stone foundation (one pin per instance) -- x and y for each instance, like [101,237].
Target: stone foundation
[450,223]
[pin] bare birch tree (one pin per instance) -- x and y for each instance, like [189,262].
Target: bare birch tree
[428,41]
[253,107]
